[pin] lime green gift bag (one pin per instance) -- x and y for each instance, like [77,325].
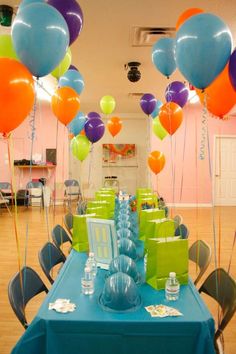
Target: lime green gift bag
[145,216]
[80,234]
[165,256]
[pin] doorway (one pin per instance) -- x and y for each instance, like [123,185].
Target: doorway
[225,170]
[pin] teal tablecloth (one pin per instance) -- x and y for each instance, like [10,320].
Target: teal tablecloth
[91,330]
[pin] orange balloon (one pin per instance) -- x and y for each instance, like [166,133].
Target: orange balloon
[114,126]
[156,161]
[65,104]
[220,95]
[186,15]
[171,116]
[16,94]
[82,132]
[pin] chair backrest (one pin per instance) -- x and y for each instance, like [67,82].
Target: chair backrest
[5,186]
[200,253]
[21,289]
[32,184]
[71,183]
[177,220]
[49,256]
[68,221]
[60,236]
[220,286]
[182,231]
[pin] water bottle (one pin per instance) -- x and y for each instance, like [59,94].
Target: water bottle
[172,287]
[87,282]
[92,264]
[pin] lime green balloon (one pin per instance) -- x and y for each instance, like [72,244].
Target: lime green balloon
[107,104]
[158,129]
[6,47]
[63,66]
[80,146]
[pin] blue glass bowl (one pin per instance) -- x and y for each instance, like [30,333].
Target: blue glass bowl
[120,294]
[126,265]
[128,248]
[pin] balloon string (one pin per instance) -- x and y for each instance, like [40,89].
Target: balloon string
[31,136]
[172,174]
[197,188]
[183,159]
[90,166]
[203,130]
[220,194]
[148,176]
[81,181]
[10,150]
[55,176]
[212,197]
[232,250]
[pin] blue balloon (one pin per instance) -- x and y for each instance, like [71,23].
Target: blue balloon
[163,56]
[155,113]
[203,48]
[40,37]
[77,124]
[73,79]
[28,2]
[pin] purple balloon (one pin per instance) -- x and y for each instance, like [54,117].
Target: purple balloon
[177,92]
[148,103]
[72,13]
[232,69]
[72,67]
[94,115]
[94,129]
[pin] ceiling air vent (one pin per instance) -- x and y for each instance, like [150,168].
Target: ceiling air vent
[147,36]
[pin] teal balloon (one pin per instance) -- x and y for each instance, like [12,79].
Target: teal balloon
[77,124]
[73,79]
[156,111]
[163,56]
[158,129]
[28,2]
[203,48]
[40,37]
[80,146]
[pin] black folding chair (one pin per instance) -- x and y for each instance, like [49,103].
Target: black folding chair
[21,289]
[49,257]
[220,286]
[200,253]
[60,236]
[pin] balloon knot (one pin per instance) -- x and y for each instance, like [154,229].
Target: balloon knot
[5,135]
[168,77]
[203,90]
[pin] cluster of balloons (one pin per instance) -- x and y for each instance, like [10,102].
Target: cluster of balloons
[87,130]
[90,129]
[202,53]
[38,45]
[166,117]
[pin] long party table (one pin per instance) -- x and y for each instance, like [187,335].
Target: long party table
[91,330]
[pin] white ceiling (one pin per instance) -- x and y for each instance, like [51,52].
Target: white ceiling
[104,46]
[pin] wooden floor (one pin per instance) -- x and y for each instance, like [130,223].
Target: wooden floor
[40,223]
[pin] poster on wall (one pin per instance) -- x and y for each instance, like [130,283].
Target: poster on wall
[119,154]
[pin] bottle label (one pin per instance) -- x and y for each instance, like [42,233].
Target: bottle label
[87,283]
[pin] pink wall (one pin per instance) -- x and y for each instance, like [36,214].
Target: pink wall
[195,172]
[45,137]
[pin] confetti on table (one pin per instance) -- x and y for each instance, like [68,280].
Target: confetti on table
[162,311]
[62,305]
